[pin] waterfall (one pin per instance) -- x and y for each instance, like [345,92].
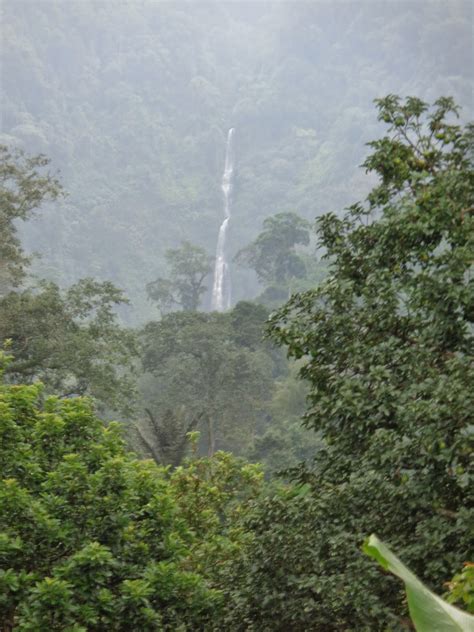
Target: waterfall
[221,289]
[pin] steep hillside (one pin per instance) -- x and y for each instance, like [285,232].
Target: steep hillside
[132,101]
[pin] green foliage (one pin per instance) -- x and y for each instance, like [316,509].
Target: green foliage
[283,444]
[164,436]
[194,365]
[24,186]
[216,372]
[90,538]
[188,268]
[301,568]
[386,346]
[247,321]
[461,588]
[214,494]
[272,255]
[399,298]
[428,611]
[282,260]
[71,341]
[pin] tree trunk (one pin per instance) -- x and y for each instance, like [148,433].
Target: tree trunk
[211,437]
[8,623]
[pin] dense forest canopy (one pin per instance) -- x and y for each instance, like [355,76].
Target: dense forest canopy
[94,537]
[132,102]
[260,441]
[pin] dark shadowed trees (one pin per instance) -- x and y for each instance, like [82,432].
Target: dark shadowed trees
[273,254]
[194,364]
[189,266]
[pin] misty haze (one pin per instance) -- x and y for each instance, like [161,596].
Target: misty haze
[236,315]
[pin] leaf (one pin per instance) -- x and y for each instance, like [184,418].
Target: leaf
[428,611]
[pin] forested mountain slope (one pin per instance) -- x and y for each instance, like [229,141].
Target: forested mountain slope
[132,101]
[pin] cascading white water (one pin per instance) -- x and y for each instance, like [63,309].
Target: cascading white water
[221,289]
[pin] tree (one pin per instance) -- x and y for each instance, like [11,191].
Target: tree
[272,255]
[386,344]
[193,365]
[71,341]
[248,322]
[91,538]
[213,494]
[189,266]
[24,186]
[165,436]
[283,443]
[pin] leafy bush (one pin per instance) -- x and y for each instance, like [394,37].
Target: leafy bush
[461,588]
[90,537]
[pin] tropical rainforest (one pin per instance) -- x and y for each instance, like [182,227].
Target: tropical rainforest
[236,316]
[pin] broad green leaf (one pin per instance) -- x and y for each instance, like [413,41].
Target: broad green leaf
[428,611]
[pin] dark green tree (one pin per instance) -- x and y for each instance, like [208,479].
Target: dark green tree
[387,346]
[71,341]
[248,324]
[272,255]
[193,364]
[189,266]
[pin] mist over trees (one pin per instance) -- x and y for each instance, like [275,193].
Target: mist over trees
[188,268]
[132,102]
[170,464]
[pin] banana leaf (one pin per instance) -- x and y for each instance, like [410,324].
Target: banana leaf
[429,612]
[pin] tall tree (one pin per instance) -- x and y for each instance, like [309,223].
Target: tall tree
[71,341]
[189,266]
[193,364]
[272,255]
[24,186]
